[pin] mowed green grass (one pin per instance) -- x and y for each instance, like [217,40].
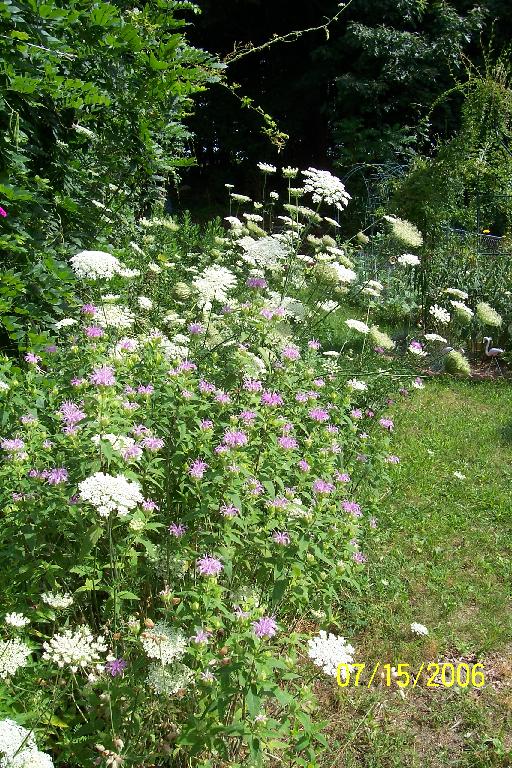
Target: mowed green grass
[441,556]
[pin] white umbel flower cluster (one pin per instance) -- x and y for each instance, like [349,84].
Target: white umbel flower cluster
[16,620]
[408,260]
[168,680]
[357,325]
[357,385]
[267,168]
[343,274]
[110,494]
[441,315]
[265,253]
[214,282]
[457,293]
[114,316]
[95,265]
[14,654]
[57,600]
[76,649]
[328,651]
[405,232]
[435,337]
[324,187]
[163,643]
[419,629]
[18,748]
[462,310]
[119,443]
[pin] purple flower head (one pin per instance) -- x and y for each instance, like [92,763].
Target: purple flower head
[416,346]
[319,383]
[356,413]
[362,457]
[280,502]
[287,442]
[387,424]
[27,419]
[149,505]
[94,332]
[252,385]
[373,522]
[177,529]
[342,477]
[47,444]
[186,394]
[247,416]
[314,344]
[103,376]
[352,508]
[256,282]
[359,558]
[3,212]
[254,486]
[195,328]
[271,398]
[267,313]
[301,397]
[71,413]
[318,414]
[50,348]
[12,445]
[139,430]
[379,350]
[229,510]
[392,459]
[209,566]
[197,469]
[403,391]
[234,438]
[77,382]
[31,358]
[322,487]
[152,443]
[303,465]
[145,389]
[88,309]
[201,636]
[132,452]
[116,667]
[290,352]
[57,476]
[281,537]
[265,627]
[205,387]
[222,397]
[206,424]
[370,413]
[332,429]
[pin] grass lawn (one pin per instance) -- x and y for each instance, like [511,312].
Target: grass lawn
[441,556]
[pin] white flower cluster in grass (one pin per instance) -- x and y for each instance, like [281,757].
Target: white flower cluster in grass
[4,386]
[462,310]
[404,231]
[76,649]
[267,168]
[435,337]
[408,260]
[114,316]
[57,600]
[441,315]
[13,655]
[487,315]
[95,265]
[457,293]
[356,385]
[16,620]
[265,253]
[164,643]
[214,282]
[381,339]
[110,494]
[418,629]
[18,748]
[357,325]
[328,651]
[324,187]
[167,681]
[372,288]
[144,302]
[66,322]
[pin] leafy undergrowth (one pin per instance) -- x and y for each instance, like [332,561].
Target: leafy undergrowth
[442,557]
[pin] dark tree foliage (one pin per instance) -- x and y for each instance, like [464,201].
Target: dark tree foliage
[358,97]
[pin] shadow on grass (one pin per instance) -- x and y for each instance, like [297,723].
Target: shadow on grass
[506,433]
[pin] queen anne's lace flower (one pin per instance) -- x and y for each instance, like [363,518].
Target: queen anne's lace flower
[266,253]
[487,315]
[408,260]
[13,655]
[214,282]
[325,187]
[461,310]
[110,494]
[163,643]
[267,168]
[169,680]
[457,293]
[18,748]
[418,629]
[114,316]
[57,600]
[328,651]
[441,315]
[94,265]
[358,325]
[435,337]
[16,620]
[404,231]
[76,649]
